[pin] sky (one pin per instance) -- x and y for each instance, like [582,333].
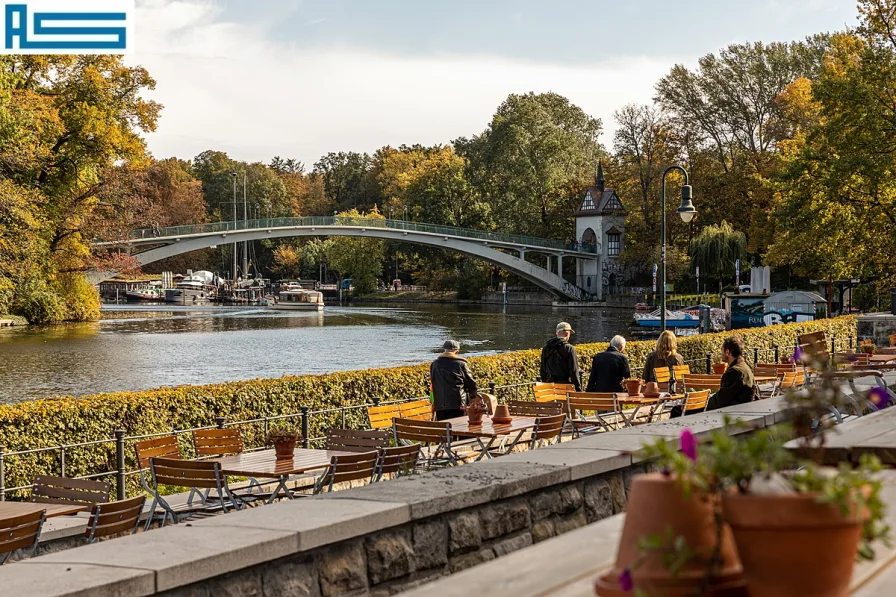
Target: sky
[301,78]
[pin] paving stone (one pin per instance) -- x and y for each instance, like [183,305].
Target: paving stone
[503,518]
[342,569]
[506,546]
[34,577]
[390,555]
[570,523]
[431,544]
[465,532]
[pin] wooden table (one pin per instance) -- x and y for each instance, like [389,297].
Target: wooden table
[871,434]
[264,464]
[460,427]
[881,358]
[10,509]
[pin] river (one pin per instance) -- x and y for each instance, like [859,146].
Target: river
[136,347]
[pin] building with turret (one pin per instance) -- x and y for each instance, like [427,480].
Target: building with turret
[600,228]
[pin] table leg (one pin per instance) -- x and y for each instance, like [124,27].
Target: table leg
[281,484]
[485,453]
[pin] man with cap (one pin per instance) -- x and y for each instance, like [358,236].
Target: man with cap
[451,379]
[559,363]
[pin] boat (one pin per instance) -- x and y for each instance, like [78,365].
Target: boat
[674,319]
[293,298]
[145,293]
[642,307]
[197,288]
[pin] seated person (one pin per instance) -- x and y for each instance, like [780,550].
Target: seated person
[737,381]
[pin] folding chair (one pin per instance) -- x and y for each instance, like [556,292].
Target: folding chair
[380,417]
[527,408]
[224,442]
[114,518]
[357,440]
[346,468]
[702,382]
[420,410]
[398,461]
[680,370]
[195,474]
[434,434]
[62,490]
[663,377]
[165,446]
[549,392]
[603,405]
[20,532]
[695,402]
[548,429]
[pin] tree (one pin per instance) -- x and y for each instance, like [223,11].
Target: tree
[348,180]
[716,249]
[361,259]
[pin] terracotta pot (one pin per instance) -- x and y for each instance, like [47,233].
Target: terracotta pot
[502,414]
[719,368]
[474,415]
[656,503]
[792,545]
[651,388]
[284,450]
[633,387]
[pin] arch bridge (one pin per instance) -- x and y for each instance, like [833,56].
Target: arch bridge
[154,244]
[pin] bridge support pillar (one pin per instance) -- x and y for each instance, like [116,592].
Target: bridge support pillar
[522,254]
[560,265]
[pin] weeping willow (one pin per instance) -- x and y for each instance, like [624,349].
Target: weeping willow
[716,249]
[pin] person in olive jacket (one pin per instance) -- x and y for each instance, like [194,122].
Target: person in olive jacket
[559,363]
[451,380]
[737,381]
[609,368]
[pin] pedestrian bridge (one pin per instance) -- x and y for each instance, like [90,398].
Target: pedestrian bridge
[153,244]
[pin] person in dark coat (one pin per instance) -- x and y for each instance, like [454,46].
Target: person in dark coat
[452,382]
[559,363]
[737,381]
[609,368]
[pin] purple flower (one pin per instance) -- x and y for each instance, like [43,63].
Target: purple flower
[878,397]
[852,357]
[625,581]
[689,444]
[797,355]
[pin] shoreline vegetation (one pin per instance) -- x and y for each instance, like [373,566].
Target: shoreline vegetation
[68,420]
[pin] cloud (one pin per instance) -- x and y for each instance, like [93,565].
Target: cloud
[228,86]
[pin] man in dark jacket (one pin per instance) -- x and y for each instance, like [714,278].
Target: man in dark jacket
[559,363]
[451,379]
[737,382]
[609,368]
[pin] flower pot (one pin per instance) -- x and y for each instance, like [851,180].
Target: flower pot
[474,415]
[284,450]
[633,387]
[719,368]
[651,388]
[502,415]
[657,503]
[792,545]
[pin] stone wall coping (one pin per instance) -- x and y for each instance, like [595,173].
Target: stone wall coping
[194,551]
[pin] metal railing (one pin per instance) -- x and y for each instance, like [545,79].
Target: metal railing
[401,225]
[116,446]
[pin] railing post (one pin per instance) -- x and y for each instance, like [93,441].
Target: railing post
[219,422]
[491,388]
[850,342]
[305,426]
[119,464]
[376,400]
[777,354]
[2,474]
[61,461]
[708,363]
[342,413]
[755,356]
[833,346]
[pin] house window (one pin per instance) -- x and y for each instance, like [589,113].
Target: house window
[614,244]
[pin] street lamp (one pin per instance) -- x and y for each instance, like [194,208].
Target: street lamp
[687,211]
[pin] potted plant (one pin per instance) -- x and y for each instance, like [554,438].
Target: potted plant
[719,368]
[867,347]
[632,386]
[284,442]
[475,410]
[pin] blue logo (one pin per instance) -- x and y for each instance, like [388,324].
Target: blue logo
[67,26]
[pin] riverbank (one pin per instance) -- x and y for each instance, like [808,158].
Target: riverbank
[12,321]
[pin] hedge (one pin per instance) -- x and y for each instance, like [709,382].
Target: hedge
[69,420]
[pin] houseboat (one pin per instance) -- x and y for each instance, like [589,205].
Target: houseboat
[197,288]
[295,298]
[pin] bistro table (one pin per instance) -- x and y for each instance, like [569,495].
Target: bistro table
[871,434]
[641,400]
[10,509]
[881,358]
[264,464]
[460,427]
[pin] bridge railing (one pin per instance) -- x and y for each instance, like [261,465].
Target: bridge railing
[497,237]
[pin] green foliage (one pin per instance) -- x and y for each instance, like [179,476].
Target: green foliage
[716,249]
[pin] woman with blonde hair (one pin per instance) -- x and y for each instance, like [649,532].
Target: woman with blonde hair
[665,355]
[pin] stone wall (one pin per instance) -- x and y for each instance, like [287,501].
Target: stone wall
[877,327]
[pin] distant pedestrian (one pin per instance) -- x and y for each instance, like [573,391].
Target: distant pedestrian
[665,355]
[452,382]
[609,368]
[559,363]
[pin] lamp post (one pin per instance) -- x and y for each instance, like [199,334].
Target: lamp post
[687,212]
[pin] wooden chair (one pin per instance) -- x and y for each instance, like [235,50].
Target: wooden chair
[61,490]
[702,382]
[380,417]
[357,440]
[548,429]
[814,345]
[773,369]
[549,392]
[217,442]
[351,467]
[695,402]
[604,406]
[892,339]
[420,410]
[165,446]
[195,474]
[20,532]
[662,374]
[527,408]
[681,370]
[114,518]
[434,434]
[398,461]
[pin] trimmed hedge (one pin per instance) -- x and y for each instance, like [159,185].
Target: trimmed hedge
[68,420]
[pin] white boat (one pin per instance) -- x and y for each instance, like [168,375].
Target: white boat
[146,293]
[198,287]
[674,319]
[298,299]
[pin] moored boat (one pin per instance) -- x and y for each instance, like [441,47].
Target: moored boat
[299,299]
[197,288]
[674,319]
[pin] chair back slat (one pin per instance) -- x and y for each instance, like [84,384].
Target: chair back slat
[662,374]
[203,474]
[433,432]
[696,401]
[814,344]
[20,532]
[350,467]
[380,417]
[114,518]
[772,369]
[548,427]
[680,370]
[892,339]
[399,460]
[62,490]
[788,380]
[217,442]
[417,409]
[528,408]
[357,440]
[165,446]
[702,382]
[548,392]
[591,401]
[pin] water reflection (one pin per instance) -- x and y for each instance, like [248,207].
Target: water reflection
[149,346]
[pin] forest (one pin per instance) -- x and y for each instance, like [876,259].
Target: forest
[790,149]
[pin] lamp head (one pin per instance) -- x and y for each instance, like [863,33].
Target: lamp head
[686,210]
